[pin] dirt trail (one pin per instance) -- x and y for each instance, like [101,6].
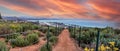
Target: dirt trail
[65,43]
[30,48]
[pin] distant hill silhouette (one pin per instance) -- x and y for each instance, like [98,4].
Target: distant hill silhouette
[23,18]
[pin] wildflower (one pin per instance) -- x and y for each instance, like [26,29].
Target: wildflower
[92,49]
[112,43]
[86,49]
[116,49]
[102,47]
[107,47]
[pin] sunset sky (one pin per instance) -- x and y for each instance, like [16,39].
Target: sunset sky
[98,10]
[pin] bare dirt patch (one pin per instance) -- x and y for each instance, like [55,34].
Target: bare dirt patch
[2,39]
[65,43]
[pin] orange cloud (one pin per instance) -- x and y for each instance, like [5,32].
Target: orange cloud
[80,9]
[49,8]
[26,10]
[105,9]
[109,10]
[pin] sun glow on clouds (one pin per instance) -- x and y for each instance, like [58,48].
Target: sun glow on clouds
[79,9]
[48,8]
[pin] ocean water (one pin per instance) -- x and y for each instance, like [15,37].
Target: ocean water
[88,23]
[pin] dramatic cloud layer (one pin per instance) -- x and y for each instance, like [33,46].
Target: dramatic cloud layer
[83,9]
[108,10]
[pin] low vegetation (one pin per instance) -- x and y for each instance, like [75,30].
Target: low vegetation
[46,47]
[11,27]
[22,41]
[3,46]
[86,36]
[21,34]
[19,42]
[32,38]
[52,38]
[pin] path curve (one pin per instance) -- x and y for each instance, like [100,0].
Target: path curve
[65,43]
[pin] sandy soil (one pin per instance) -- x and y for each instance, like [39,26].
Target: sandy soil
[2,39]
[65,43]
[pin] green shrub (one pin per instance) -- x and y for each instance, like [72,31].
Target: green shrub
[50,34]
[3,46]
[107,35]
[85,39]
[34,27]
[13,42]
[83,45]
[13,36]
[33,32]
[106,41]
[38,33]
[53,39]
[52,30]
[117,31]
[72,35]
[43,29]
[32,38]
[44,47]
[118,44]
[19,41]
[117,36]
